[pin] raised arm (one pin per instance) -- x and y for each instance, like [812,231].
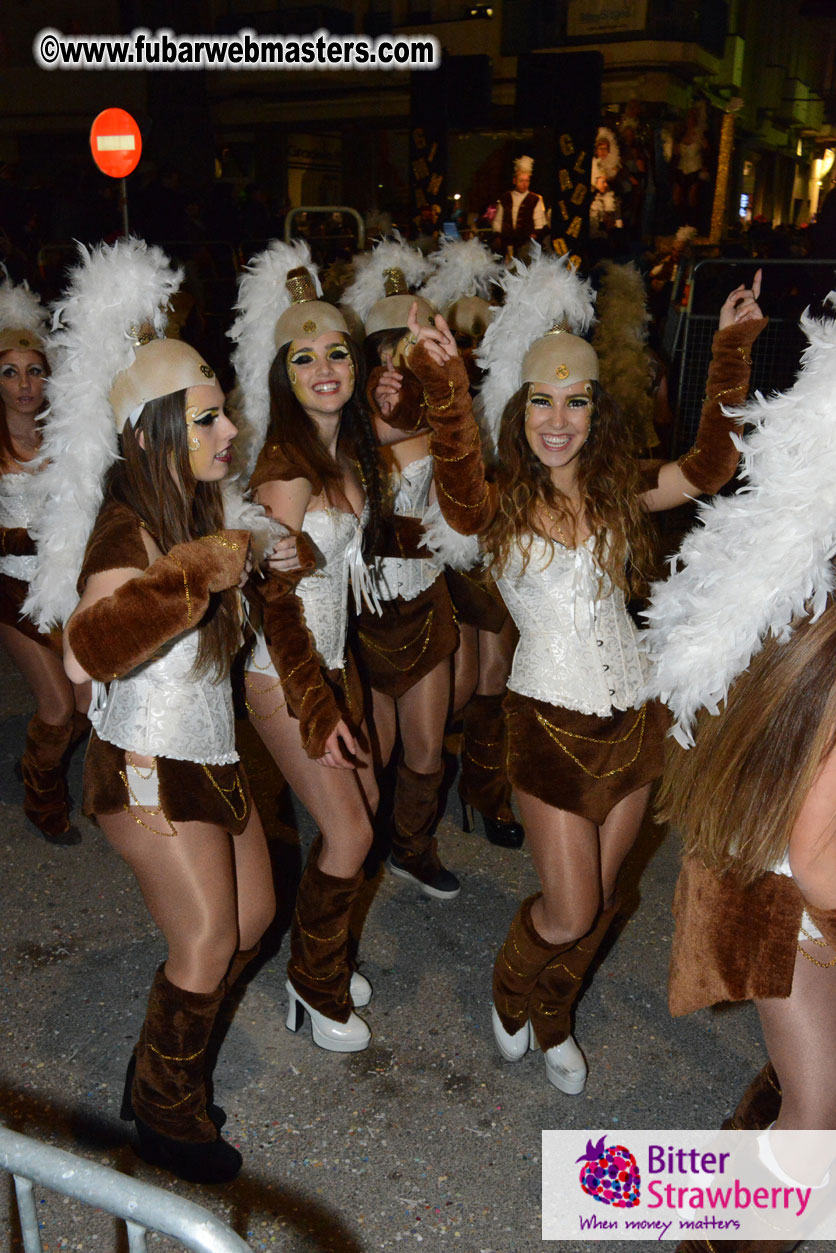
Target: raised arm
[467,500]
[713,459]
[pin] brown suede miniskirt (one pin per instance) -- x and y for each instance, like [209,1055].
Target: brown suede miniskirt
[403,644]
[580,762]
[189,792]
[13,592]
[476,599]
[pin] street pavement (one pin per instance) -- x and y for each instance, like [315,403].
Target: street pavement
[428,1139]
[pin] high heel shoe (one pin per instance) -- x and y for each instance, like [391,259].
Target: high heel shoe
[566,1067]
[361,990]
[503,834]
[338,1037]
[212,1162]
[512,1047]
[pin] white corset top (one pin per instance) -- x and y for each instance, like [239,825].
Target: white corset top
[338,538]
[20,497]
[407,577]
[162,710]
[577,649]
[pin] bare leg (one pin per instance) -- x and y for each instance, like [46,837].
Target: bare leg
[385,725]
[566,852]
[422,715]
[341,802]
[208,892]
[799,1032]
[496,653]
[43,671]
[465,666]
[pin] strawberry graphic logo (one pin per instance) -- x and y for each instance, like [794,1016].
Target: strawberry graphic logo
[610,1175]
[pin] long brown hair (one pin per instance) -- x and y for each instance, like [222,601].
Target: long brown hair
[7,452]
[608,479]
[157,483]
[736,795]
[297,434]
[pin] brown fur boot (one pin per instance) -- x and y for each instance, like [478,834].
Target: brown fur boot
[414,847]
[46,801]
[518,965]
[759,1105]
[559,983]
[483,783]
[168,1095]
[319,968]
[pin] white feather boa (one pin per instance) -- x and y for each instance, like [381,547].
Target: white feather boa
[760,557]
[262,299]
[112,289]
[369,284]
[536,298]
[460,268]
[461,552]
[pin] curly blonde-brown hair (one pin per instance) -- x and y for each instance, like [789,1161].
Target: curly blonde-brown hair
[608,479]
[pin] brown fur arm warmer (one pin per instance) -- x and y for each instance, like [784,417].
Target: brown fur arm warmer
[120,632]
[15,541]
[713,459]
[293,652]
[409,414]
[467,500]
[402,536]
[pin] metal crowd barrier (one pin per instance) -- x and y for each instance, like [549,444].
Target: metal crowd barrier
[789,286]
[142,1206]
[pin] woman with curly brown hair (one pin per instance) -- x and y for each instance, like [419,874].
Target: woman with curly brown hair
[566,513]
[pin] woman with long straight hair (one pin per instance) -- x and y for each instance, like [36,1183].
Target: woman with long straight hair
[313,466]
[57,723]
[564,525]
[139,445]
[743,643]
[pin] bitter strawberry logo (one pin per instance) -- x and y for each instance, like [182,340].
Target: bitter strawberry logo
[610,1175]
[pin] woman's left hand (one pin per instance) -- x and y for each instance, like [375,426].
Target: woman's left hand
[438,339]
[742,304]
[284,558]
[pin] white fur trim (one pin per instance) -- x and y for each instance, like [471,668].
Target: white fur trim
[461,552]
[243,514]
[760,557]
[112,289]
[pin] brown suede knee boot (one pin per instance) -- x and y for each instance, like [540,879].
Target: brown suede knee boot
[319,968]
[559,983]
[518,965]
[169,1088]
[46,801]
[483,782]
[414,847]
[759,1105]
[167,1098]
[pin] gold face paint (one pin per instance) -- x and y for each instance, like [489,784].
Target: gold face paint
[321,373]
[210,433]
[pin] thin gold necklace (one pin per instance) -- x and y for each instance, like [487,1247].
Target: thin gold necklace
[558,527]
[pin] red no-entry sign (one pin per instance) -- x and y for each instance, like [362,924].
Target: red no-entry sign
[115,143]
